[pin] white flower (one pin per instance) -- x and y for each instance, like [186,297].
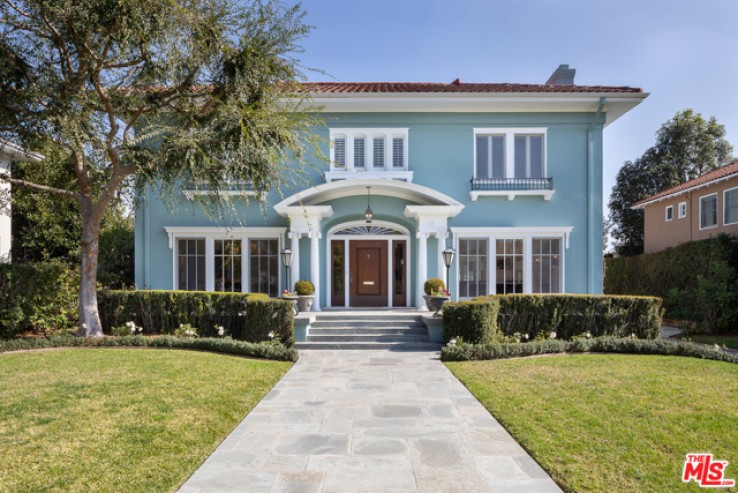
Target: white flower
[526,336]
[452,342]
[632,336]
[553,335]
[221,330]
[271,335]
[717,348]
[132,329]
[588,334]
[140,329]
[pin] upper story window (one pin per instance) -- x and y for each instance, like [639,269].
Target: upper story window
[510,162]
[730,201]
[708,211]
[669,213]
[373,152]
[682,210]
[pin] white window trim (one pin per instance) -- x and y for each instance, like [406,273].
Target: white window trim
[210,234]
[717,208]
[725,206]
[509,133]
[368,171]
[682,208]
[513,233]
[667,209]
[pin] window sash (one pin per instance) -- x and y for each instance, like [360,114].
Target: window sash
[510,266]
[473,267]
[191,264]
[264,266]
[398,152]
[669,213]
[359,152]
[730,205]
[682,210]
[339,151]
[227,264]
[708,211]
[529,150]
[378,161]
[490,156]
[546,266]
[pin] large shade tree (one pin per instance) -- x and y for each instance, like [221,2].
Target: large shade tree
[158,93]
[687,146]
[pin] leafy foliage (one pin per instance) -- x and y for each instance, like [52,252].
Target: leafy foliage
[687,146]
[606,344]
[474,321]
[304,287]
[698,280]
[224,345]
[433,285]
[201,94]
[250,317]
[39,298]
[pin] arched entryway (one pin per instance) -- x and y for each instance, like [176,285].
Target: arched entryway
[368,265]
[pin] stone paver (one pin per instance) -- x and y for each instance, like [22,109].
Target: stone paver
[369,421]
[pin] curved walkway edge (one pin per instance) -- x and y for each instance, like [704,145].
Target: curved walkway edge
[369,421]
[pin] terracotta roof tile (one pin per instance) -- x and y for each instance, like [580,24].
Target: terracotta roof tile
[456,87]
[722,172]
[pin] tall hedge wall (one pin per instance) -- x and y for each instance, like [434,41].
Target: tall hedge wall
[481,320]
[38,297]
[698,281]
[249,317]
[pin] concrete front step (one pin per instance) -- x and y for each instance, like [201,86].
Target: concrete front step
[347,330]
[353,318]
[368,338]
[322,324]
[368,346]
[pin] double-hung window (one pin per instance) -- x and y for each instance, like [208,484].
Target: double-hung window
[490,156]
[730,201]
[682,210]
[529,156]
[708,211]
[669,213]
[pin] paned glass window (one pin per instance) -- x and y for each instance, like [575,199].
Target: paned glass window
[529,156]
[708,211]
[359,152]
[378,161]
[546,265]
[339,151]
[191,264]
[264,266]
[228,265]
[473,267]
[509,269]
[490,156]
[731,206]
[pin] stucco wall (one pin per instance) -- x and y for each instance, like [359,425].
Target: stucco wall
[440,150]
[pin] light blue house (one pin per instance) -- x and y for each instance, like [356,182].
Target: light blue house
[508,175]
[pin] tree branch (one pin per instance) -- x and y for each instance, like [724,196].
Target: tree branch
[44,188]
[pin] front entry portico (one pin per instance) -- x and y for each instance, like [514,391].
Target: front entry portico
[383,263]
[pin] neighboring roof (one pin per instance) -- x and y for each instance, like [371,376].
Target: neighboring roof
[720,174]
[456,87]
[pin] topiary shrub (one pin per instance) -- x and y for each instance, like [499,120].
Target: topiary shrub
[304,287]
[434,285]
[474,321]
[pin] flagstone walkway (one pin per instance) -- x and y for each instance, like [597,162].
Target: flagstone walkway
[369,421]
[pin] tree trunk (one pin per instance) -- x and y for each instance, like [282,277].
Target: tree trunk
[89,317]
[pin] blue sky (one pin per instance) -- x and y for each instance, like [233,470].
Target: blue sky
[683,52]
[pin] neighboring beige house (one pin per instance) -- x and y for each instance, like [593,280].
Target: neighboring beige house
[9,152]
[695,210]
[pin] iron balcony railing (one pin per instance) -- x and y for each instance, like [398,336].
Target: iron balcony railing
[511,184]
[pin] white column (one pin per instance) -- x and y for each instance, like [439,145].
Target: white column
[441,238]
[315,268]
[295,267]
[422,268]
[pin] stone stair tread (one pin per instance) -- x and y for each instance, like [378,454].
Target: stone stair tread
[396,346]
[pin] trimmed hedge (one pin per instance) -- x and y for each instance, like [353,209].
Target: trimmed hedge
[249,317]
[38,297]
[698,280]
[225,346]
[477,352]
[474,321]
[571,315]
[483,320]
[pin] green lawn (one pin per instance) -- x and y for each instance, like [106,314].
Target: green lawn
[730,341]
[615,423]
[119,420]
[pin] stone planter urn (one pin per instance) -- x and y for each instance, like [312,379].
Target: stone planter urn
[305,302]
[293,300]
[435,303]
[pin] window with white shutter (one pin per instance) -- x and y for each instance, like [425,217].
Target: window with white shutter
[378,161]
[490,156]
[339,151]
[398,152]
[529,156]
[359,152]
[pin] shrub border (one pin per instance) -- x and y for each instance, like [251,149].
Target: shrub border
[482,352]
[212,345]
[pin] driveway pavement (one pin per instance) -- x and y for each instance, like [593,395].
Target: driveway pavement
[369,421]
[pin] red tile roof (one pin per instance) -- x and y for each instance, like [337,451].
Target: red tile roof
[715,175]
[456,87]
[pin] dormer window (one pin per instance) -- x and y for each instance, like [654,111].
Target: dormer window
[369,153]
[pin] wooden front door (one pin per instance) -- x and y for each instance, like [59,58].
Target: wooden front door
[368,273]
